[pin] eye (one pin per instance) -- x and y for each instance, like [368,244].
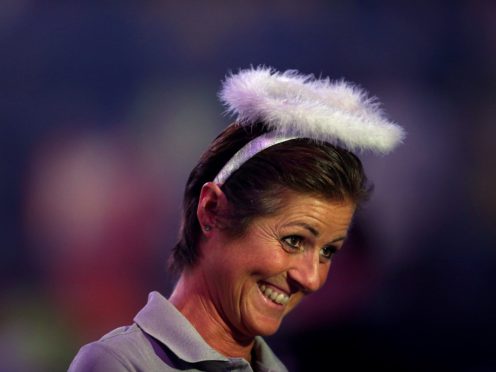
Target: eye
[293,242]
[327,252]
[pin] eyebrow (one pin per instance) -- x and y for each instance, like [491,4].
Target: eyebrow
[314,231]
[310,228]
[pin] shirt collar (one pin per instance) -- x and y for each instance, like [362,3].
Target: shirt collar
[265,359]
[161,320]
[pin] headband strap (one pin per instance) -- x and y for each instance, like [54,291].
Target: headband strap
[249,150]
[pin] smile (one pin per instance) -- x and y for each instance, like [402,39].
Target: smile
[272,294]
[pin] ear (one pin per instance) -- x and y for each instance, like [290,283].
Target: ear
[212,201]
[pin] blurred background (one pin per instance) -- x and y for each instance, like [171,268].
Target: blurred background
[106,106]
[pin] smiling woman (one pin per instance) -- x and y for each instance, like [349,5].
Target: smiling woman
[264,210]
[256,279]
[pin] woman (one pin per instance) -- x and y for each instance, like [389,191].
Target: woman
[265,209]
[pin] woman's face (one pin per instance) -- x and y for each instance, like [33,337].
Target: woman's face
[256,279]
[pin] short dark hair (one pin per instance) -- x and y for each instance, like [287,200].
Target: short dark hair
[301,165]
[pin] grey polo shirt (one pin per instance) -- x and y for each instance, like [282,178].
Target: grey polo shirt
[162,339]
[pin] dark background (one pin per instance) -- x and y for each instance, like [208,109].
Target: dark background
[106,106]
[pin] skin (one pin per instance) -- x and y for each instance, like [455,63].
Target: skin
[290,252]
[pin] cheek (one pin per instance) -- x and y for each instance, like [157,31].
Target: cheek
[276,260]
[268,257]
[323,272]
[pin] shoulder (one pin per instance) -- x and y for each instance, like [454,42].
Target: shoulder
[123,349]
[97,356]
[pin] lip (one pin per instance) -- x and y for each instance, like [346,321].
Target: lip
[277,288]
[271,304]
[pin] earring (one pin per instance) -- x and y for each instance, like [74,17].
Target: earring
[207,228]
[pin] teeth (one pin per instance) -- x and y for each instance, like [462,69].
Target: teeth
[277,297]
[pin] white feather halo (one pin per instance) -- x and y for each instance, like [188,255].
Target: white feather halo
[296,105]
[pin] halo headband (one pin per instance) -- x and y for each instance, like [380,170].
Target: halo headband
[293,105]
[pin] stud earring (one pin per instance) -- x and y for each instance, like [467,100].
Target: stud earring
[207,228]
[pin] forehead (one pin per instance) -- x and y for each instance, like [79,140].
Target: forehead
[315,211]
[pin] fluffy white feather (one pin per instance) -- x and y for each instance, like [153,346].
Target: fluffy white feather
[293,104]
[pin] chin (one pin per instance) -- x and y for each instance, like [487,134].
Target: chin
[264,327]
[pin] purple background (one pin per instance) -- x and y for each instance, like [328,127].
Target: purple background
[104,110]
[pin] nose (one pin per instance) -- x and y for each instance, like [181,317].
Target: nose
[306,272]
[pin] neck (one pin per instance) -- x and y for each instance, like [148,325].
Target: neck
[191,298]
